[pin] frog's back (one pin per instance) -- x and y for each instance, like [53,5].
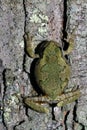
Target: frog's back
[52,72]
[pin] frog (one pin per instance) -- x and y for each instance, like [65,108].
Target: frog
[52,73]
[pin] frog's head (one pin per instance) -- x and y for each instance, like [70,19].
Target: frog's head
[49,49]
[53,50]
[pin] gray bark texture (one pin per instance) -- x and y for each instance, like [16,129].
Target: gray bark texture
[44,20]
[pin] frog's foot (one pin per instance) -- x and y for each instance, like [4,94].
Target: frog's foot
[68,97]
[36,103]
[30,47]
[71,40]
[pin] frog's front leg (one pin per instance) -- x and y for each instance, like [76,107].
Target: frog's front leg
[35,103]
[71,40]
[68,97]
[30,48]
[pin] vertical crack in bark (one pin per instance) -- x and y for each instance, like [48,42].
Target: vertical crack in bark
[25,12]
[65,45]
[65,120]
[64,31]
[74,112]
[5,87]
[65,24]
[64,19]
[24,57]
[75,116]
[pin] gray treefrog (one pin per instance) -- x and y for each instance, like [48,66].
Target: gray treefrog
[52,74]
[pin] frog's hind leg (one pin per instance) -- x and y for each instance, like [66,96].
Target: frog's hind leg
[35,103]
[68,97]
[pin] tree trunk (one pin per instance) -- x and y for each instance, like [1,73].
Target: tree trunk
[45,20]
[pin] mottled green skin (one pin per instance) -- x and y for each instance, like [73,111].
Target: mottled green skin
[52,72]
